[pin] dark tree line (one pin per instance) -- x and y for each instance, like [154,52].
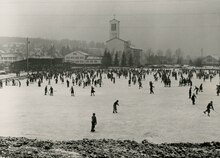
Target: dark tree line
[167,57]
[115,59]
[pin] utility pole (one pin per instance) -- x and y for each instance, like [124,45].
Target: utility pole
[28,42]
[202,52]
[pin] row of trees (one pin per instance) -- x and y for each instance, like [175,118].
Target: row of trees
[117,59]
[159,57]
[170,57]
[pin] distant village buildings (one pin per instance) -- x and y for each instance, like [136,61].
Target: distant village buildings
[79,57]
[117,45]
[8,58]
[211,61]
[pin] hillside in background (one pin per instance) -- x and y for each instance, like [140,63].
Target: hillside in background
[45,47]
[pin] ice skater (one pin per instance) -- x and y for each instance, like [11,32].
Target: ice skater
[27,83]
[208,108]
[72,91]
[19,83]
[39,83]
[193,98]
[1,84]
[129,83]
[201,88]
[140,85]
[51,91]
[13,82]
[190,92]
[217,89]
[151,87]
[92,91]
[196,89]
[115,106]
[67,83]
[45,90]
[94,122]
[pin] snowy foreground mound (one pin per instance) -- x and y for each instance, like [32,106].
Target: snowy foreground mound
[23,147]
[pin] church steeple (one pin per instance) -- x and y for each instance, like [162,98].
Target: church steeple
[114,16]
[114,28]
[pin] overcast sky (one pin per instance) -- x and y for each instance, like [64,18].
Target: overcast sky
[186,24]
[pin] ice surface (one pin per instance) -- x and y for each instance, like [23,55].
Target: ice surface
[166,116]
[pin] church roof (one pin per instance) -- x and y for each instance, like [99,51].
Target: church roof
[213,56]
[132,47]
[117,38]
[114,20]
[81,52]
[78,51]
[93,58]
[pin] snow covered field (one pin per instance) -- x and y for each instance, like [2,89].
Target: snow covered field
[166,116]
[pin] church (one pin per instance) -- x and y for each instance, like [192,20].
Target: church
[117,45]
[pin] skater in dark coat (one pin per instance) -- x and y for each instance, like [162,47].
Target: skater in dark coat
[201,88]
[13,82]
[92,91]
[39,83]
[217,89]
[45,90]
[151,87]
[1,84]
[140,85]
[72,91]
[19,83]
[51,91]
[190,92]
[196,89]
[67,83]
[208,108]
[27,82]
[94,122]
[193,98]
[129,82]
[115,106]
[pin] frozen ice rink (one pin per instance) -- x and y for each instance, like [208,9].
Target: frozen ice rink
[166,116]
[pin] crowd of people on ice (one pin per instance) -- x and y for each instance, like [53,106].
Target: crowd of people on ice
[94,77]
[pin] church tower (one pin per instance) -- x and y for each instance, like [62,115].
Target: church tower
[114,28]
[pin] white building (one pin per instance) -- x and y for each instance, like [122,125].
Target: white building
[211,60]
[79,57]
[93,60]
[7,58]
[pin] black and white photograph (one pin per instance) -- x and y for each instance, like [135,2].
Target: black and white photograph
[109,78]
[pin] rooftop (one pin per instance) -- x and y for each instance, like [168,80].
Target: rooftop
[93,58]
